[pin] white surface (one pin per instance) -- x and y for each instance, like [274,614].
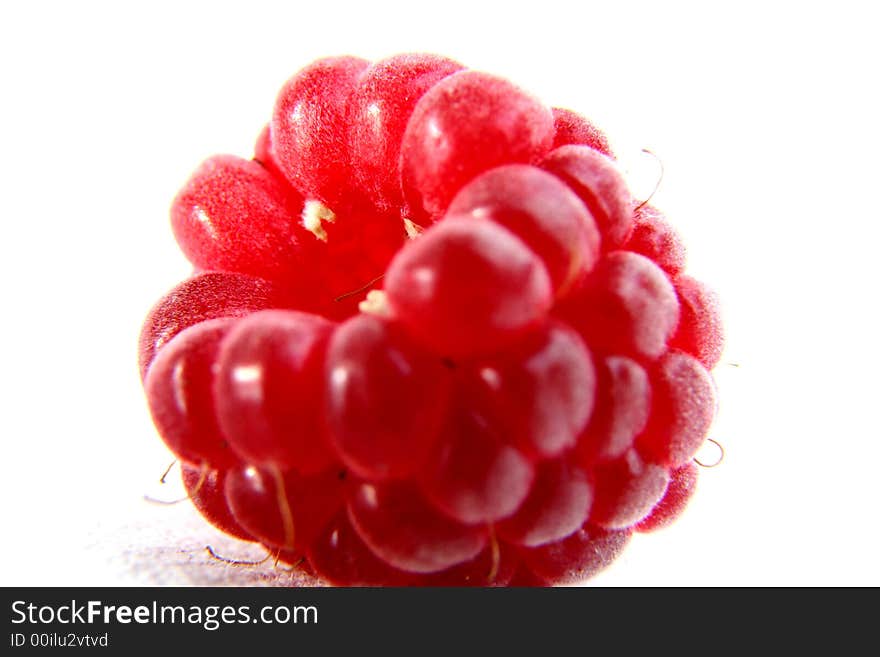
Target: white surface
[765,118]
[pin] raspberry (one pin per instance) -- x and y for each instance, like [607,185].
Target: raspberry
[354,251]
[499,400]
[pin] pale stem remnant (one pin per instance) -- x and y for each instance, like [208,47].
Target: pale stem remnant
[413,230]
[314,215]
[376,303]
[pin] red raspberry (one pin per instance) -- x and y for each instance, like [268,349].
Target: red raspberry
[523,577]
[501,400]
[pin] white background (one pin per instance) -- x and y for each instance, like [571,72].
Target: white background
[764,116]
